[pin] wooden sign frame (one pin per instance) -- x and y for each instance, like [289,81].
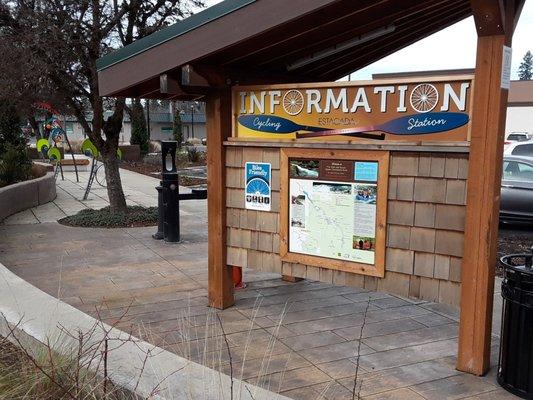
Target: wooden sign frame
[382,157]
[374,111]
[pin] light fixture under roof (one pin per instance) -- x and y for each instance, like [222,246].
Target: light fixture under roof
[338,48]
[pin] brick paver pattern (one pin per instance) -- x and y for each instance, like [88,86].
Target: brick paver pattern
[304,340]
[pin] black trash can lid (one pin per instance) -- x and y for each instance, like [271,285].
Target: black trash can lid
[511,262]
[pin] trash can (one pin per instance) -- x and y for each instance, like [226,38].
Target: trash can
[515,366]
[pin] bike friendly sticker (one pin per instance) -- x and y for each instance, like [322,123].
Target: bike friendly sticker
[257,193]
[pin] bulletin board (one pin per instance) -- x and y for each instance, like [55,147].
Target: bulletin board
[333,209]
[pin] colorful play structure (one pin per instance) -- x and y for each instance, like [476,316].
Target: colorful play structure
[54,134]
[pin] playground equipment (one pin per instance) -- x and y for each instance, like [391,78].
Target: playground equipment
[97,168]
[53,154]
[53,130]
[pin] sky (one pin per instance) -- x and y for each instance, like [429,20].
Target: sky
[451,48]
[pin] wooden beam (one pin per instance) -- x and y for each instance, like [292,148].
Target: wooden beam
[169,84]
[219,77]
[482,211]
[489,16]
[219,117]
[406,33]
[376,15]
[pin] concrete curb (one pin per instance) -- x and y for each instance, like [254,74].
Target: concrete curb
[23,195]
[39,318]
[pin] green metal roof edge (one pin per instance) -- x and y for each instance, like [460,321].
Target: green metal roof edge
[179,28]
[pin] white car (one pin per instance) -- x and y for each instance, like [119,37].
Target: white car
[524,149]
[517,137]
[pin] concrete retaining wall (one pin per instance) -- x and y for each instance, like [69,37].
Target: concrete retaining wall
[23,195]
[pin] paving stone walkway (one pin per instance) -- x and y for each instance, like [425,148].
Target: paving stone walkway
[307,340]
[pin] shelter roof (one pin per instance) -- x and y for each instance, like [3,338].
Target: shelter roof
[263,41]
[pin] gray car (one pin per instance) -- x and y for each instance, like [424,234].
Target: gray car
[516,203]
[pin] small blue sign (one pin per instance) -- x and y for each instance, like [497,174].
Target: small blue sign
[257,193]
[366,171]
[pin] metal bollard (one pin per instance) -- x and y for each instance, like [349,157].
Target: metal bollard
[171,226]
[168,196]
[170,192]
[159,235]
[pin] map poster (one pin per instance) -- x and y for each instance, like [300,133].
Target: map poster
[257,193]
[333,209]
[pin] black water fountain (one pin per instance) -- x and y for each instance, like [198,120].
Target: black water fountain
[168,227]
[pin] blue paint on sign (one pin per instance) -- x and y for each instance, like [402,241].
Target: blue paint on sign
[273,124]
[422,124]
[366,171]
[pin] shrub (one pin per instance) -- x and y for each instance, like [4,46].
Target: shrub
[67,374]
[177,129]
[15,165]
[193,154]
[139,130]
[10,130]
[104,218]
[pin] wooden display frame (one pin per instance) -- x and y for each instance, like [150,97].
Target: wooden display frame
[382,157]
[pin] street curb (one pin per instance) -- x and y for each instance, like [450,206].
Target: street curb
[38,318]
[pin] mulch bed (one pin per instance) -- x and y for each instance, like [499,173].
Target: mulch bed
[142,168]
[136,216]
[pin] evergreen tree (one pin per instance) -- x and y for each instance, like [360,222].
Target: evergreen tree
[139,130]
[10,127]
[525,70]
[177,129]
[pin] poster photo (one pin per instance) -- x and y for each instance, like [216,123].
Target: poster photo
[258,193]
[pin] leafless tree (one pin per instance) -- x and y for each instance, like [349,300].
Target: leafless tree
[61,41]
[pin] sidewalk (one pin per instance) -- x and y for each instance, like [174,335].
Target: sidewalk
[138,189]
[302,340]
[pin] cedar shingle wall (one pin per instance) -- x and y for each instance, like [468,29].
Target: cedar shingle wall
[425,224]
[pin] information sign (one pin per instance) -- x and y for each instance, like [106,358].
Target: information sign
[257,193]
[333,209]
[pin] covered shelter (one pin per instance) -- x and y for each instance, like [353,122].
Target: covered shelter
[238,43]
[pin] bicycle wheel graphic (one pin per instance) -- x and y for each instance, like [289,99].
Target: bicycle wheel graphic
[293,102]
[424,98]
[257,186]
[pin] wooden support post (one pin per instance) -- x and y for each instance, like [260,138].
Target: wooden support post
[482,212]
[219,119]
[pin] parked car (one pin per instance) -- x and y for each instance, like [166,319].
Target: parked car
[517,137]
[516,203]
[519,149]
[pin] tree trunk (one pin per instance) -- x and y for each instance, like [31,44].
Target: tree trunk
[111,128]
[35,126]
[117,201]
